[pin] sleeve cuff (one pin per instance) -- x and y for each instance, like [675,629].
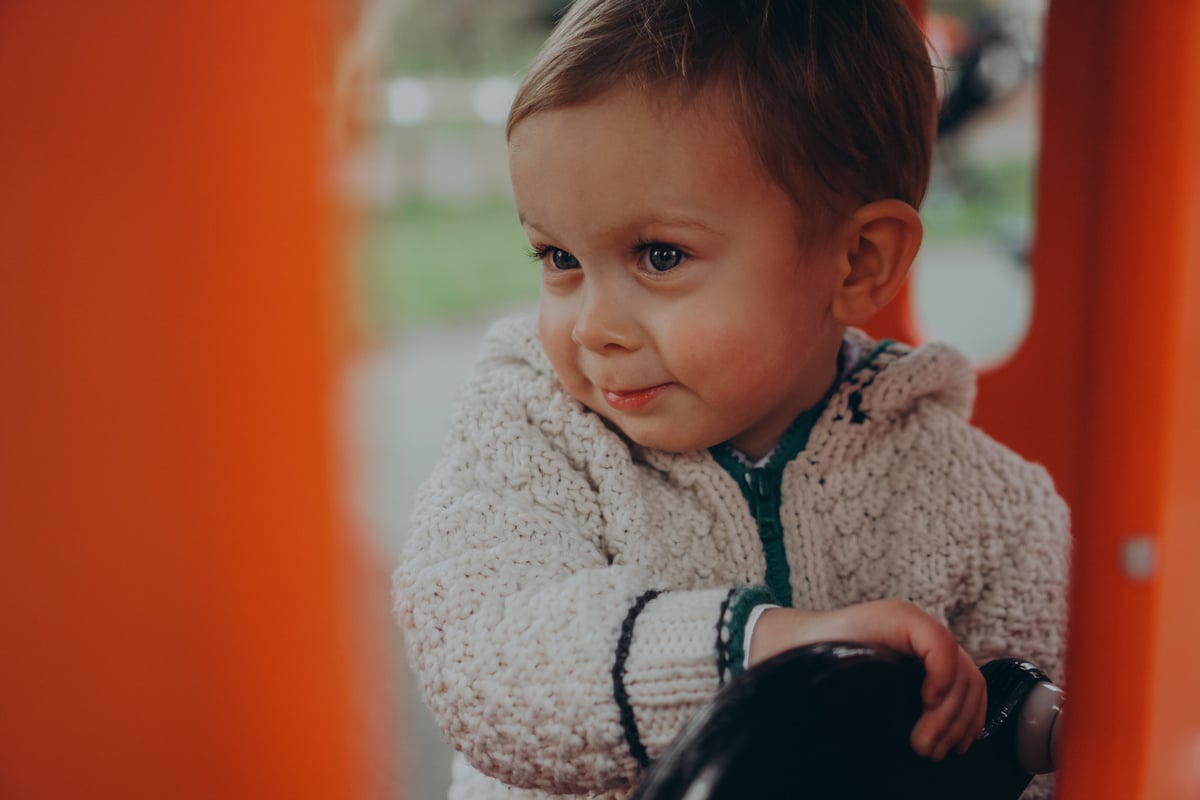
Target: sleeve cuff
[666,670]
[733,635]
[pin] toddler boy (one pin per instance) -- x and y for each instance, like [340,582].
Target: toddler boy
[693,460]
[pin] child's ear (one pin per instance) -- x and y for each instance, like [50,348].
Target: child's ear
[881,240]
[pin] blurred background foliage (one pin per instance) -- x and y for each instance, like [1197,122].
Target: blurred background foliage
[470,37]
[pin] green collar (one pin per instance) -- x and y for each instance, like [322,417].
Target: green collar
[791,444]
[795,438]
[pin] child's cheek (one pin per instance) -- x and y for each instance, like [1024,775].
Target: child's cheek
[715,356]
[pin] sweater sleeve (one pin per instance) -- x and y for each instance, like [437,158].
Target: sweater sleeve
[546,664]
[1023,570]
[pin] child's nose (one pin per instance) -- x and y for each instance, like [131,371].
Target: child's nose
[606,320]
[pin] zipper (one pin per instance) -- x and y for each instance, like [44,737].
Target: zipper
[762,492]
[764,504]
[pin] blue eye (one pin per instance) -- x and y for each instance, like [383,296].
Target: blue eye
[664,257]
[554,258]
[561,259]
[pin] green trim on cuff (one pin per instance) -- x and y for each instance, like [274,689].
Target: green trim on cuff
[741,602]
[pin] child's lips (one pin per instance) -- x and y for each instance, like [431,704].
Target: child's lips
[634,399]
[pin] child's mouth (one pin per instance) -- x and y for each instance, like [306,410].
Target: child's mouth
[635,399]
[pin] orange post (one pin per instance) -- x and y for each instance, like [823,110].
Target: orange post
[1119,203]
[175,604]
[1173,763]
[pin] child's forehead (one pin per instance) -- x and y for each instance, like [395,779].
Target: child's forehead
[689,117]
[638,161]
[657,133]
[663,146]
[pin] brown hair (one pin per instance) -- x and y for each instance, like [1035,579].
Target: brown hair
[840,89]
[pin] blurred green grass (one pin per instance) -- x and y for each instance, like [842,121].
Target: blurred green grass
[428,261]
[979,200]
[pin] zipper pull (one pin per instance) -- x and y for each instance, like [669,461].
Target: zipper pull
[762,499]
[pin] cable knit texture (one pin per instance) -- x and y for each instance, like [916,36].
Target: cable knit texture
[541,528]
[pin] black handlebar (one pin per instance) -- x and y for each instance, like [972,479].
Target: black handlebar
[833,721]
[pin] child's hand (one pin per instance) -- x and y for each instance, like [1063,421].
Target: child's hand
[954,692]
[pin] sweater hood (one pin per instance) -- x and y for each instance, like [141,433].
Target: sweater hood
[514,340]
[893,376]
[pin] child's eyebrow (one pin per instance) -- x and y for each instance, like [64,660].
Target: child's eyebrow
[531,225]
[683,221]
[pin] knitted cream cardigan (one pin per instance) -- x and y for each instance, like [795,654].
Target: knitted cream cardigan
[527,587]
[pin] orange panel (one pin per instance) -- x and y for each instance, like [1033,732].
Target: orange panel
[1173,769]
[1133,255]
[174,598]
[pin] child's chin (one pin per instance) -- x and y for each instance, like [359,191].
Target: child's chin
[653,437]
[668,442]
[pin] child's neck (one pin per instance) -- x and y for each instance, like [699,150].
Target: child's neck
[847,359]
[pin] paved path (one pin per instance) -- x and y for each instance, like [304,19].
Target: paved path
[398,398]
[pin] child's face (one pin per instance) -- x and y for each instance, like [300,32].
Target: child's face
[677,301]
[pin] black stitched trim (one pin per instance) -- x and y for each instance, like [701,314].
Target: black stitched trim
[854,403]
[628,723]
[863,376]
[723,640]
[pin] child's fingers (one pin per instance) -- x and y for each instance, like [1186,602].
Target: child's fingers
[908,628]
[955,721]
[936,730]
[977,717]
[974,708]
[939,652]
[934,723]
[905,627]
[968,720]
[953,692]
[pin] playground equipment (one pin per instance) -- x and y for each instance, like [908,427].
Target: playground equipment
[833,720]
[179,603]
[181,612]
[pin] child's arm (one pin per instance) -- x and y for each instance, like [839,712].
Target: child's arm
[1021,570]
[954,693]
[545,663]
